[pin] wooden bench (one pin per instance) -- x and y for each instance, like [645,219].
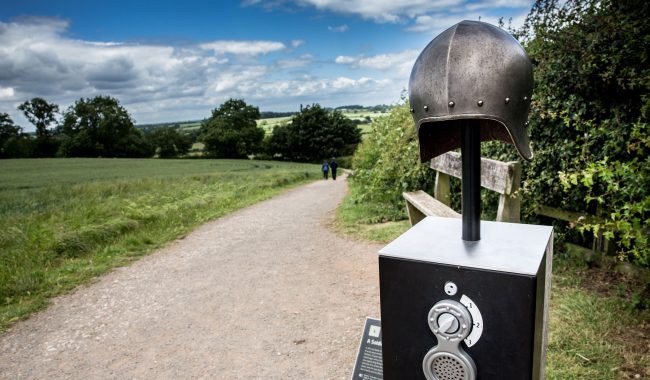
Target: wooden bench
[502,177]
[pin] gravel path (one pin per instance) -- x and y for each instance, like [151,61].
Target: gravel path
[269,292]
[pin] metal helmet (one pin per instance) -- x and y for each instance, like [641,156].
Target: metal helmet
[472,70]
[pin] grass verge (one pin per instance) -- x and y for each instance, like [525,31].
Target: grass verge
[594,333]
[65,221]
[369,220]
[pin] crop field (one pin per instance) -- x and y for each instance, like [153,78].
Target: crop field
[362,115]
[270,123]
[65,221]
[190,126]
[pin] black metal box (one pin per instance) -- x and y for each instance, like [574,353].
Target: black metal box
[503,281]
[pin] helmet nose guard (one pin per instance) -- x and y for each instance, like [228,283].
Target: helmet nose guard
[475,71]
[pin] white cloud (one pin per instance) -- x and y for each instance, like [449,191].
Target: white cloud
[243,47]
[430,16]
[438,22]
[389,61]
[340,29]
[381,10]
[6,92]
[154,82]
[399,64]
[318,89]
[301,61]
[238,79]
[434,23]
[166,83]
[345,59]
[527,4]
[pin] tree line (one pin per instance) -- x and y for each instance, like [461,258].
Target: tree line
[101,127]
[92,127]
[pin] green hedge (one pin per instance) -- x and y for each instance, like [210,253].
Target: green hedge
[387,163]
[588,127]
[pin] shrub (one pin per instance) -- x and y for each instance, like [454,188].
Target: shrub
[387,162]
[588,119]
[314,134]
[232,131]
[588,127]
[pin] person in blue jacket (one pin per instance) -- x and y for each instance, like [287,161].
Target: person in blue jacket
[333,166]
[326,169]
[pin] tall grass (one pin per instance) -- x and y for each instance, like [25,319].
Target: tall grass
[64,221]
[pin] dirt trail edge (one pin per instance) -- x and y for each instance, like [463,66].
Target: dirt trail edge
[269,292]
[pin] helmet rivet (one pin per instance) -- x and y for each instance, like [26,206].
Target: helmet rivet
[451,104]
[480,103]
[525,98]
[412,110]
[507,100]
[426,108]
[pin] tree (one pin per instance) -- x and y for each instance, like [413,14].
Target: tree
[232,131]
[101,127]
[13,143]
[314,134]
[169,142]
[7,131]
[42,114]
[278,141]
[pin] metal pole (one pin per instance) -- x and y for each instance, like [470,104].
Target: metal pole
[471,182]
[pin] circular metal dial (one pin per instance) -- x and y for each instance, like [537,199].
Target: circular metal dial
[450,320]
[448,323]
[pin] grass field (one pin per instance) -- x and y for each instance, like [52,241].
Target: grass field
[269,123]
[190,126]
[65,221]
[593,331]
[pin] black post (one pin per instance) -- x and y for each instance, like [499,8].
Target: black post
[471,182]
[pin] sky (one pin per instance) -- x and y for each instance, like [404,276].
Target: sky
[177,60]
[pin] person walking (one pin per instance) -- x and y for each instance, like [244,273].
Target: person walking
[326,169]
[333,166]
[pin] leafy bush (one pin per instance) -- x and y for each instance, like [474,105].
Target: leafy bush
[314,134]
[588,127]
[387,162]
[588,119]
[169,142]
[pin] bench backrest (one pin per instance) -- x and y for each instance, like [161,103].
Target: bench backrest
[502,177]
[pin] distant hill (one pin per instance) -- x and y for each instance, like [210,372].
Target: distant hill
[356,107]
[273,115]
[353,111]
[181,124]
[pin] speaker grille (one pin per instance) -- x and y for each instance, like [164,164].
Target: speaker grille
[448,367]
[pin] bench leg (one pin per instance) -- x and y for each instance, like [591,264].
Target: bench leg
[509,209]
[415,215]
